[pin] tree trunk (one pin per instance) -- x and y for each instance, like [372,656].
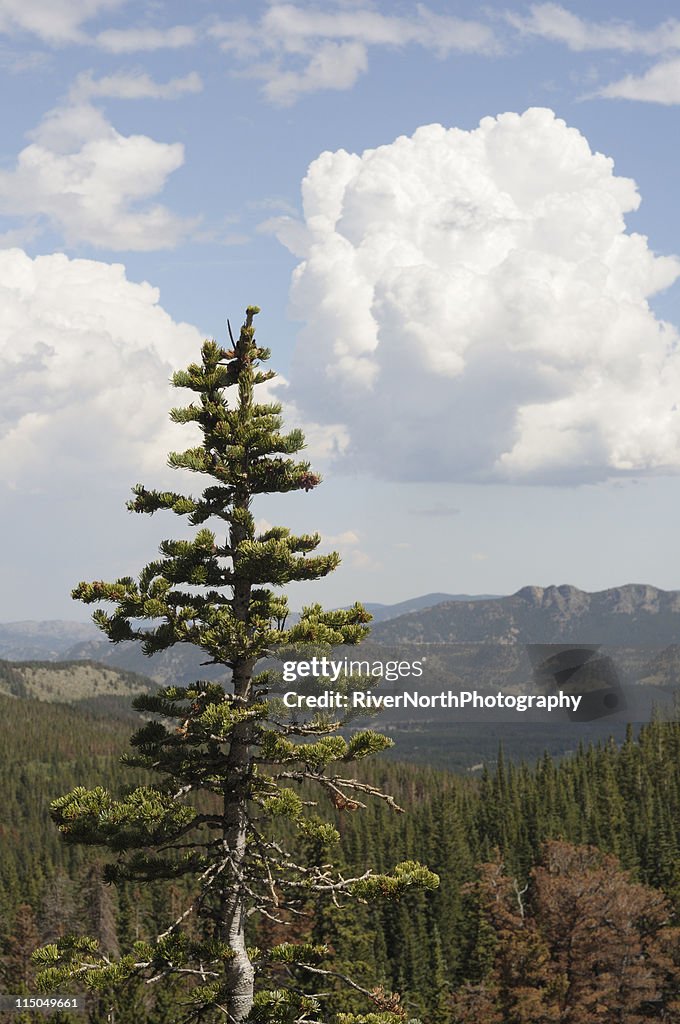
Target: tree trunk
[240,971]
[232,921]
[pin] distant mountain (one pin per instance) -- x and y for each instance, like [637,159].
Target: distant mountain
[384,612]
[634,614]
[45,641]
[183,663]
[59,640]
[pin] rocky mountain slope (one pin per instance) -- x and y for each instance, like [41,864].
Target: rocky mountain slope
[634,614]
[472,642]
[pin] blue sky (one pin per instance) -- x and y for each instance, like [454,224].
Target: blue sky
[460,222]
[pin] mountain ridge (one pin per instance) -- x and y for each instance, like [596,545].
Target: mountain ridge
[631,613]
[63,640]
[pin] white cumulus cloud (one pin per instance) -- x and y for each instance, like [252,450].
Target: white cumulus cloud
[85,359]
[83,178]
[475,309]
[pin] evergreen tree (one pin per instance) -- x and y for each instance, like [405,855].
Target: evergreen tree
[228,764]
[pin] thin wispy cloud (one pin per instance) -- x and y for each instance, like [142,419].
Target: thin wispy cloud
[54,21]
[660,84]
[21,62]
[132,85]
[295,50]
[138,39]
[348,538]
[556,23]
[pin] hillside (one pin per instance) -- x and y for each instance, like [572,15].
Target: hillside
[68,682]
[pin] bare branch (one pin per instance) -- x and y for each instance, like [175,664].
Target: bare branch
[333,784]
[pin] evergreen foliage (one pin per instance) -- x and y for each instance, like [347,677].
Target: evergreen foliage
[223,757]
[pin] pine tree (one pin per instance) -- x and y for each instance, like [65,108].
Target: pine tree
[229,764]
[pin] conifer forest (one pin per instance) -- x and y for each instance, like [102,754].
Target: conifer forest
[470,950]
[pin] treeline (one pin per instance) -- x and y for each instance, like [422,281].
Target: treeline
[438,950]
